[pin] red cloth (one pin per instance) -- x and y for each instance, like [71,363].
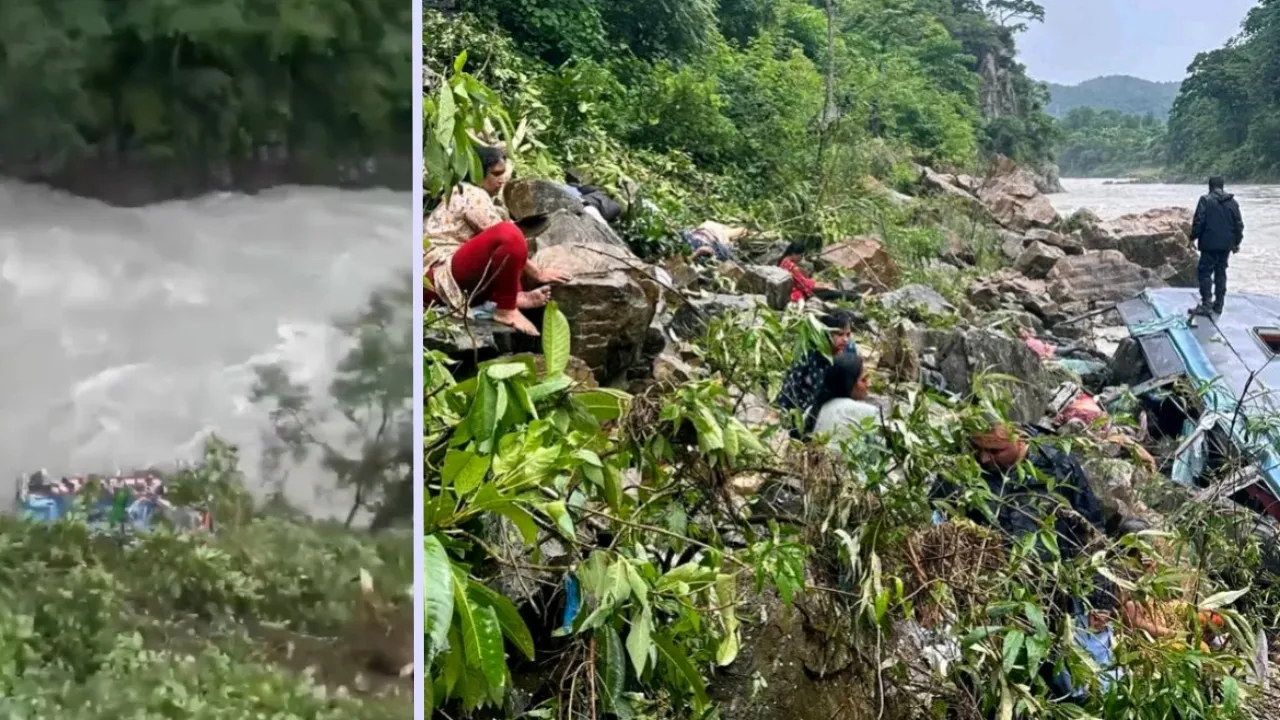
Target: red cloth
[488,267]
[803,285]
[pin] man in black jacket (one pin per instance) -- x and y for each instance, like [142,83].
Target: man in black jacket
[1217,230]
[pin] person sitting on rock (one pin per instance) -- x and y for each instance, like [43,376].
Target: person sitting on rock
[473,253]
[804,380]
[840,412]
[803,287]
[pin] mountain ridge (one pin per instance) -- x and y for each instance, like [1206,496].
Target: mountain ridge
[1124,93]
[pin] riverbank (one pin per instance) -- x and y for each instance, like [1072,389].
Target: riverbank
[863,600]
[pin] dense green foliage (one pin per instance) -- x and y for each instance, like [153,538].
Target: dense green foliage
[1122,93]
[1109,143]
[215,80]
[723,110]
[1227,116]
[194,626]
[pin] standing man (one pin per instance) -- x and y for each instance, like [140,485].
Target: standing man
[1217,230]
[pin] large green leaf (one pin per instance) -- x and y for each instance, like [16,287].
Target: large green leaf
[680,667]
[639,644]
[448,111]
[481,634]
[513,626]
[464,470]
[437,595]
[555,340]
[611,669]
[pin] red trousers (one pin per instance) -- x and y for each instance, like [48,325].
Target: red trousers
[488,267]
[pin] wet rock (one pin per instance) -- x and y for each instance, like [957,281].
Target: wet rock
[773,283]
[1037,260]
[1157,239]
[691,319]
[917,298]
[867,259]
[531,198]
[1072,244]
[563,227]
[1104,276]
[963,355]
[1011,195]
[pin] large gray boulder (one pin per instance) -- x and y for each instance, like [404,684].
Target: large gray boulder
[1012,196]
[917,298]
[1103,276]
[964,355]
[564,227]
[773,283]
[531,198]
[1037,260]
[1072,244]
[1158,239]
[696,313]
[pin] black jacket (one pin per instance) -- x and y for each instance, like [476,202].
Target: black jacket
[1218,226]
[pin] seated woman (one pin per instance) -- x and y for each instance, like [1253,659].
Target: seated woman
[474,254]
[840,412]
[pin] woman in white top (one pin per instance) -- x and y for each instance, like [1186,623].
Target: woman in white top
[840,411]
[473,253]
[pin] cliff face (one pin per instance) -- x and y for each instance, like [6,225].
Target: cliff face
[998,96]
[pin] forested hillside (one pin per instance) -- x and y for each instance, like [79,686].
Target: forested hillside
[1122,93]
[1109,143]
[1227,117]
[761,107]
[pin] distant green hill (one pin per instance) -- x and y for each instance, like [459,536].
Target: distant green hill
[1129,95]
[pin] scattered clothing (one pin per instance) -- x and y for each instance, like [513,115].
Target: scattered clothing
[1041,348]
[595,198]
[696,240]
[803,287]
[1083,408]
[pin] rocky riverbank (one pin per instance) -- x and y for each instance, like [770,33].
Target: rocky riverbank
[1043,319]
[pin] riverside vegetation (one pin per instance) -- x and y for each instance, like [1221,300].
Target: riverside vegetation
[263,617]
[1225,118]
[659,547]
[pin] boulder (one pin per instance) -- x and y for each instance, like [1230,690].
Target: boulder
[1157,239]
[694,315]
[563,227]
[1011,245]
[867,258]
[773,283]
[1080,220]
[1011,195]
[958,251]
[1037,260]
[963,355]
[917,298]
[948,186]
[1103,276]
[1049,179]
[1072,244]
[531,198]
[474,341]
[609,316]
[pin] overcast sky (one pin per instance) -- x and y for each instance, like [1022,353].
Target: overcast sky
[1150,39]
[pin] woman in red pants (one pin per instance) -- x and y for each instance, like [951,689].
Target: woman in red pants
[474,254]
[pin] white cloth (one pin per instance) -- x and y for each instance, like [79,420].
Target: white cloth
[844,418]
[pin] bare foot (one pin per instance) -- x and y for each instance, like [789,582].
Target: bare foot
[533,298]
[515,319]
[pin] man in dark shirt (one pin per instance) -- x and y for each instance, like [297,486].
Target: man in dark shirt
[1218,231]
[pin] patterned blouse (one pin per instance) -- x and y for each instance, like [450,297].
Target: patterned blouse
[468,212]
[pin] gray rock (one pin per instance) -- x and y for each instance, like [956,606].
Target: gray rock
[526,199]
[1128,364]
[773,283]
[1037,260]
[691,320]
[1105,276]
[1011,244]
[964,355]
[1157,239]
[563,227]
[609,316]
[917,297]
[1070,244]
